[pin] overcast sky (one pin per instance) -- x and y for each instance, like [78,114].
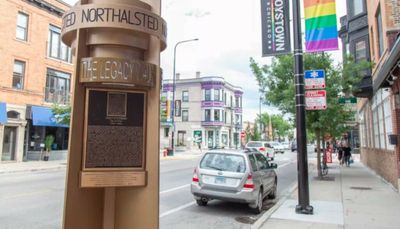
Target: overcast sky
[229,33]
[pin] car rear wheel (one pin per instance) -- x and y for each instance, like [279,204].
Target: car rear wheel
[257,209]
[272,194]
[201,202]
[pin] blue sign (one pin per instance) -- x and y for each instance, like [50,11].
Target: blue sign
[314,79]
[312,74]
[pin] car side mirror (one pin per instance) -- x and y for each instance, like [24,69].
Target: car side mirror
[273,166]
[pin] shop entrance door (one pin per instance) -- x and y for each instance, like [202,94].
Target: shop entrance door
[9,143]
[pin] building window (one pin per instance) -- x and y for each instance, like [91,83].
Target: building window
[216,95]
[217,116]
[382,119]
[358,7]
[22,26]
[207,115]
[56,48]
[185,115]
[380,31]
[18,74]
[387,111]
[238,121]
[57,87]
[207,95]
[225,98]
[185,96]
[360,50]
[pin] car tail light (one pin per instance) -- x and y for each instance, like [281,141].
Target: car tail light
[262,149]
[249,182]
[195,178]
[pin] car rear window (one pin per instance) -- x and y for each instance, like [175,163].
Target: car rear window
[223,162]
[254,144]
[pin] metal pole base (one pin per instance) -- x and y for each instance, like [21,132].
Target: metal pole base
[308,210]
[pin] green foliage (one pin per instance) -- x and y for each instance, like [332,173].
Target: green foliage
[280,127]
[277,80]
[48,141]
[62,113]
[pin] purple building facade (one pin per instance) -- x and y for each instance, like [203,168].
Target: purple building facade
[208,113]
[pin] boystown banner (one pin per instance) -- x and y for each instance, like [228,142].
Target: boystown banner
[275,27]
[321,25]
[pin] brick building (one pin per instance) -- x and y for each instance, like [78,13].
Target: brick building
[379,113]
[35,73]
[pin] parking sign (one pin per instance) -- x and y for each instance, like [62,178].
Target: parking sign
[314,79]
[315,100]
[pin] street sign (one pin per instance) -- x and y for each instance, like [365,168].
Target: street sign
[315,100]
[314,79]
[197,136]
[347,100]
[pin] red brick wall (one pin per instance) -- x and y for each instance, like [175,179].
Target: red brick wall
[383,162]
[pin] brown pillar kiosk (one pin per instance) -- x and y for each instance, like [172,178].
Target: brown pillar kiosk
[113,166]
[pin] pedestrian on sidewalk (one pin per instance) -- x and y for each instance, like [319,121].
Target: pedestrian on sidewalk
[340,152]
[346,148]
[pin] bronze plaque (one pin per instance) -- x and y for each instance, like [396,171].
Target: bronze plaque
[114,130]
[112,179]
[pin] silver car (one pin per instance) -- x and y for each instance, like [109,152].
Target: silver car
[262,147]
[243,176]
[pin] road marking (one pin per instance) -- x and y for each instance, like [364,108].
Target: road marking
[177,209]
[174,189]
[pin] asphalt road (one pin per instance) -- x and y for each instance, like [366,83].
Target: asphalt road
[35,199]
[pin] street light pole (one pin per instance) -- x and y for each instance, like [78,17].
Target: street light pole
[261,131]
[173,94]
[303,190]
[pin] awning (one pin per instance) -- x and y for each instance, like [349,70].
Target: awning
[383,74]
[43,116]
[3,113]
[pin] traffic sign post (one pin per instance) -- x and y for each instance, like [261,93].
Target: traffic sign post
[314,79]
[315,100]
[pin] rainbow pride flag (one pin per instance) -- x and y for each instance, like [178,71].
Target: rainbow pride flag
[321,25]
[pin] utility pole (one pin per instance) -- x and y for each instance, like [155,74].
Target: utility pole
[302,165]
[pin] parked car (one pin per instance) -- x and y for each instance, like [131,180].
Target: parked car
[278,148]
[293,145]
[243,176]
[285,145]
[262,147]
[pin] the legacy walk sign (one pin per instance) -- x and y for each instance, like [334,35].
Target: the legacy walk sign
[275,27]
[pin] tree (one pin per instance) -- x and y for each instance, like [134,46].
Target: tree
[277,80]
[280,127]
[62,113]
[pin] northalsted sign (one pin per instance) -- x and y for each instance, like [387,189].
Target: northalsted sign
[275,27]
[113,16]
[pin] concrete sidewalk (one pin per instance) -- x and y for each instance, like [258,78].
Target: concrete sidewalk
[182,155]
[15,167]
[349,197]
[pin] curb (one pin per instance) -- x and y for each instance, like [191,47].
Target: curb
[33,169]
[267,214]
[285,196]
